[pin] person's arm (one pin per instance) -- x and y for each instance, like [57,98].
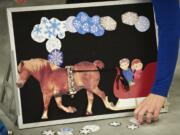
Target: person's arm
[167,14]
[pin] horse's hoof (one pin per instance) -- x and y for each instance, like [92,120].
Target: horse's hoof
[71,109]
[44,117]
[89,113]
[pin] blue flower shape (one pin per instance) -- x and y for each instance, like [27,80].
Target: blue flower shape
[100,31]
[85,24]
[81,23]
[56,57]
[83,17]
[97,30]
[95,19]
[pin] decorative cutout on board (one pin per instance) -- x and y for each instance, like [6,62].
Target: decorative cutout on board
[141,23]
[56,57]
[129,18]
[53,30]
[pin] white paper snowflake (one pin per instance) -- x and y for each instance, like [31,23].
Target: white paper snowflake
[56,57]
[52,44]
[48,132]
[37,34]
[61,35]
[143,24]
[85,131]
[92,128]
[129,18]
[44,21]
[115,124]
[132,126]
[69,24]
[55,25]
[48,32]
[63,26]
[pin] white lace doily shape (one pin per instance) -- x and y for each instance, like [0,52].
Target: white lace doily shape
[129,18]
[69,24]
[143,24]
[53,44]
[108,23]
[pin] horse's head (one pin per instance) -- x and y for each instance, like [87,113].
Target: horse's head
[23,75]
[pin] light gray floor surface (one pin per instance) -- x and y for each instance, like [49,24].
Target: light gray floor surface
[169,123]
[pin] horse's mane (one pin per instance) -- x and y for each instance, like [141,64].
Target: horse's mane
[38,64]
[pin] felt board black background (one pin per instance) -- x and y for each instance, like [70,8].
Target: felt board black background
[124,42]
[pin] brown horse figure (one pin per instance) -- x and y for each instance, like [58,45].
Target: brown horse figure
[54,81]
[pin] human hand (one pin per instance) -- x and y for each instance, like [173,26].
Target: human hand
[150,108]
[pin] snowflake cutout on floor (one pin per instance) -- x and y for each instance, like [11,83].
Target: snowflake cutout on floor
[85,131]
[115,124]
[56,57]
[64,133]
[132,126]
[48,132]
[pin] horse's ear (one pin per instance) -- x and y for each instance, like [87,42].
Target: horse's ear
[21,64]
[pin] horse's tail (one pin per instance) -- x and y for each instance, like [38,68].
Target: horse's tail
[99,64]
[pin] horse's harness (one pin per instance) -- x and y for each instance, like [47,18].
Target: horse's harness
[71,82]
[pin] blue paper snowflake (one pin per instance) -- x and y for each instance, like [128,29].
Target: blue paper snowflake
[54,25]
[86,27]
[56,57]
[37,29]
[100,31]
[95,19]
[85,24]
[82,16]
[97,30]
[49,32]
[44,20]
[76,23]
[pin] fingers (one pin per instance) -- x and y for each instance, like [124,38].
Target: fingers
[156,114]
[149,109]
[149,117]
[141,115]
[136,112]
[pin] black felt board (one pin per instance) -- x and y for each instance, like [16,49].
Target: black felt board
[125,41]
